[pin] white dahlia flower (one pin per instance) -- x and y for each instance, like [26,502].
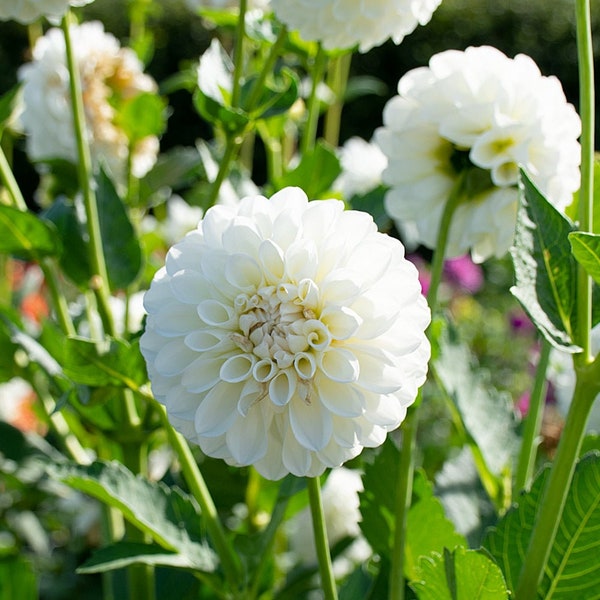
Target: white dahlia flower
[485,113]
[362,165]
[286,334]
[340,24]
[109,74]
[28,11]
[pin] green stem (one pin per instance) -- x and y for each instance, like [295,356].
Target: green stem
[585,55]
[439,255]
[238,56]
[99,281]
[337,79]
[404,483]
[557,489]
[310,129]
[232,146]
[10,183]
[533,422]
[321,542]
[198,488]
[406,466]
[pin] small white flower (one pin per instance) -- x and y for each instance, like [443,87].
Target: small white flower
[362,165]
[15,400]
[108,72]
[28,11]
[341,24]
[181,219]
[561,374]
[286,334]
[342,516]
[484,112]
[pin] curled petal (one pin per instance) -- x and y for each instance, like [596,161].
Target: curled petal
[339,365]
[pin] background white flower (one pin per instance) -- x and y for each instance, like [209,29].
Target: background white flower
[108,72]
[286,334]
[28,11]
[340,24]
[342,516]
[561,374]
[482,111]
[362,165]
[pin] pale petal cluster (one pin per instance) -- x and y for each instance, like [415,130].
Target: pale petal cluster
[482,111]
[286,334]
[341,24]
[108,72]
[362,165]
[28,11]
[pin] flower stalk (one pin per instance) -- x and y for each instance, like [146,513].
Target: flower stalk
[314,104]
[533,422]
[587,382]
[321,542]
[337,79]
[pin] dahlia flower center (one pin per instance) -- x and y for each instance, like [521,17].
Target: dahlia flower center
[279,331]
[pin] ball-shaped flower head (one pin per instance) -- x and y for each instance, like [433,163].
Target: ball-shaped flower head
[485,113]
[109,75]
[28,11]
[342,24]
[286,334]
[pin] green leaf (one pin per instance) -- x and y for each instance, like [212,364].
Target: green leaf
[586,249]
[573,570]
[276,97]
[117,364]
[486,414]
[545,270]
[315,173]
[428,530]
[122,250]
[232,120]
[142,116]
[460,575]
[17,579]
[74,263]
[377,500]
[169,516]
[26,235]
[8,103]
[373,203]
[123,554]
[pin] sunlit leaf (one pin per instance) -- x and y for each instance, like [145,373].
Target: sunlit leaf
[586,249]
[26,235]
[460,575]
[17,579]
[168,515]
[545,270]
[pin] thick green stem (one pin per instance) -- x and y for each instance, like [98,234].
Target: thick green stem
[533,422]
[232,145]
[99,281]
[585,55]
[193,476]
[321,542]
[337,80]
[404,483]
[557,489]
[10,183]
[238,56]
[314,104]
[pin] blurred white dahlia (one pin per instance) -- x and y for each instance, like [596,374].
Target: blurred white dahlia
[485,113]
[286,334]
[341,24]
[28,11]
[109,74]
[362,165]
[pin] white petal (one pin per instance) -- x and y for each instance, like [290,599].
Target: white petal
[311,423]
[218,410]
[342,322]
[247,438]
[174,358]
[202,374]
[296,458]
[339,365]
[243,272]
[282,387]
[176,319]
[216,313]
[341,399]
[271,259]
[237,368]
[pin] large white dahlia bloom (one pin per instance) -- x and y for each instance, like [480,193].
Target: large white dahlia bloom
[340,24]
[286,334]
[109,74]
[28,11]
[485,113]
